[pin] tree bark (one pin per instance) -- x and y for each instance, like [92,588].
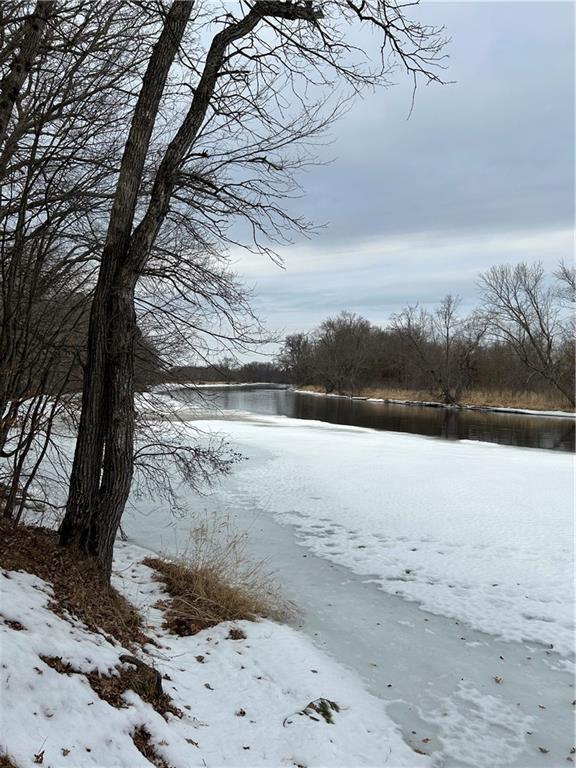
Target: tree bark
[31,35]
[77,527]
[119,448]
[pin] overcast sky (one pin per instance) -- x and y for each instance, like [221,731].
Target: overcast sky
[481,173]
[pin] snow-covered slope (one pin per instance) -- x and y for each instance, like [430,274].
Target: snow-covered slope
[239,699]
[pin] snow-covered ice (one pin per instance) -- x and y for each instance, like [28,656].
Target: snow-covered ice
[368,531]
[479,532]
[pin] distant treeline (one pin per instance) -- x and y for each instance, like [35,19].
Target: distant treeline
[230,371]
[519,340]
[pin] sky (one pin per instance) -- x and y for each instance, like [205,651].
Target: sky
[415,206]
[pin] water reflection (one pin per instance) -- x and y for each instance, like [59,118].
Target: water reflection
[507,429]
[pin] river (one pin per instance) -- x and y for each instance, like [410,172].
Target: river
[552,433]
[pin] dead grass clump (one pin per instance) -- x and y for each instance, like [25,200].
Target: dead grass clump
[216,582]
[111,688]
[5,762]
[78,586]
[142,742]
[199,598]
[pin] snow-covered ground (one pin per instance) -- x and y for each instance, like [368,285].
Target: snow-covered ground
[437,574]
[358,522]
[239,699]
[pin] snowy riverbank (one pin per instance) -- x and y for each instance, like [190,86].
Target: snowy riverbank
[435,584]
[240,700]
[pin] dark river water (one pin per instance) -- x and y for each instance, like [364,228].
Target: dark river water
[551,433]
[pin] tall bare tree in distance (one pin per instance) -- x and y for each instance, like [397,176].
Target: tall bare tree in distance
[443,344]
[523,310]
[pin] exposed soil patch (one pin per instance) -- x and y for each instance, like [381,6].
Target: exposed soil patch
[77,583]
[142,742]
[140,678]
[12,623]
[63,667]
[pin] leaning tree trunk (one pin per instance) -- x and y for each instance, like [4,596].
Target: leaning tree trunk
[78,527]
[87,465]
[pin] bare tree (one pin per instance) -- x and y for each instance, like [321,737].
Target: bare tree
[261,87]
[75,65]
[566,277]
[342,351]
[296,358]
[523,309]
[444,345]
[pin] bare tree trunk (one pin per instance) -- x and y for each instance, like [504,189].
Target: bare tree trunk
[31,35]
[96,499]
[83,496]
[119,449]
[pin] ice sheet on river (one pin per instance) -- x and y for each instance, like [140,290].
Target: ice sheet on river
[479,532]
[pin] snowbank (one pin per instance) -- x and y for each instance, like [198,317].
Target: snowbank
[240,699]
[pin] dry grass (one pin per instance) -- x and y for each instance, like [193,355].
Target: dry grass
[215,582]
[78,586]
[5,762]
[536,401]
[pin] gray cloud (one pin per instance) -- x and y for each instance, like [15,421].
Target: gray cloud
[482,172]
[492,150]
